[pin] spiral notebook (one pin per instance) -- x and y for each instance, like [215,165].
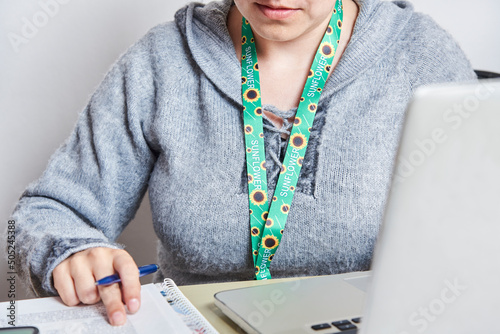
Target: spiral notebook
[190,316]
[164,309]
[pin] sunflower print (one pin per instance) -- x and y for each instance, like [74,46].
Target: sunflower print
[298,141]
[251,95]
[327,50]
[258,197]
[270,242]
[264,215]
[248,129]
[285,208]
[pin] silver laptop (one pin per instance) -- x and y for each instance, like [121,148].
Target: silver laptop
[436,267]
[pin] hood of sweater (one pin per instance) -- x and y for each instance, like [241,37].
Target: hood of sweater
[377,27]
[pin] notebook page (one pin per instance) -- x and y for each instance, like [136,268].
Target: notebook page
[51,316]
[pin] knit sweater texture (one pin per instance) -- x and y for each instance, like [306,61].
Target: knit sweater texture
[168,119]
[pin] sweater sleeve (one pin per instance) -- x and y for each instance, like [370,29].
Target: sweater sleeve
[435,56]
[95,181]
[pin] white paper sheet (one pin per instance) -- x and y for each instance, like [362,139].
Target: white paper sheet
[51,316]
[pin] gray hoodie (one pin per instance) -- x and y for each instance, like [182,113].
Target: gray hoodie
[168,118]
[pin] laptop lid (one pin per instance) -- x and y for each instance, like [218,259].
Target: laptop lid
[437,261]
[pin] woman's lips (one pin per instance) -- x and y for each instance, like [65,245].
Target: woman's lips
[276,13]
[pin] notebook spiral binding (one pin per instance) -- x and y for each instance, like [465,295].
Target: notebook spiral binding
[190,315]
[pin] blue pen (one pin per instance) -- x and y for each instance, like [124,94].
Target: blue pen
[144,270]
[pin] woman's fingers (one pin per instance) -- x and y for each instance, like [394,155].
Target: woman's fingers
[74,280]
[63,282]
[112,295]
[131,286]
[83,276]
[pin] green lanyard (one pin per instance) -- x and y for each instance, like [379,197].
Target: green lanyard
[267,223]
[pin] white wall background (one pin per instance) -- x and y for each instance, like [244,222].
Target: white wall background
[48,73]
[474,24]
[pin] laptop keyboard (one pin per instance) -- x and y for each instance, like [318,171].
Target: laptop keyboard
[342,326]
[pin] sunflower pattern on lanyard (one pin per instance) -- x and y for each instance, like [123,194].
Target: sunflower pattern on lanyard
[267,223]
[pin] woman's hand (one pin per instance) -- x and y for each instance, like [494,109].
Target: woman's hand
[75,277]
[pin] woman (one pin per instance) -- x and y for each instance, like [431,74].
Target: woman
[168,117]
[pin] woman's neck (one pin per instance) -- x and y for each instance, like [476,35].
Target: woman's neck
[284,65]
